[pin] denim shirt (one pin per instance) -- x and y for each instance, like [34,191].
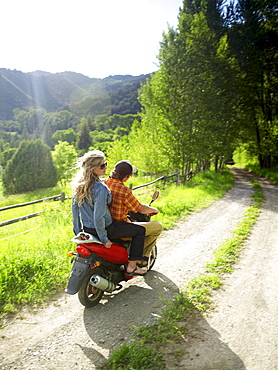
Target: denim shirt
[97,215]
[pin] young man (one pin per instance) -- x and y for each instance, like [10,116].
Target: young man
[123,201]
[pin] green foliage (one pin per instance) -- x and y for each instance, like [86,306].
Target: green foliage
[32,268]
[7,200]
[30,168]
[124,101]
[253,32]
[68,135]
[135,356]
[29,277]
[199,290]
[270,174]
[6,155]
[189,116]
[64,157]
[243,158]
[84,140]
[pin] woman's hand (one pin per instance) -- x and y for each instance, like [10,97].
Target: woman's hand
[108,244]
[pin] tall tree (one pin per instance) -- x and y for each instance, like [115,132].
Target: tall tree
[84,140]
[30,168]
[188,101]
[253,38]
[64,157]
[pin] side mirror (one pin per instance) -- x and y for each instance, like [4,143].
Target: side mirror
[155,196]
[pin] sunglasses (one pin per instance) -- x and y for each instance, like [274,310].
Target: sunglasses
[102,166]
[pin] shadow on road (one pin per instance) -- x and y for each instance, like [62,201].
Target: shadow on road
[201,349]
[139,305]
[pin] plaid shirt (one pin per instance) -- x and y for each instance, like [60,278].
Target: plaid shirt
[122,200]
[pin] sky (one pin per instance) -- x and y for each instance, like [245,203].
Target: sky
[97,38]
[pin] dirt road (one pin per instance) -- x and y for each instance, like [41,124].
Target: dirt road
[241,334]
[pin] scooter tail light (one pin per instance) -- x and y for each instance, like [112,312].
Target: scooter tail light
[84,252]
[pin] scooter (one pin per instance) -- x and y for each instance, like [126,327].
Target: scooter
[97,269]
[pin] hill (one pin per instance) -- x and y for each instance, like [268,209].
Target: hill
[67,91]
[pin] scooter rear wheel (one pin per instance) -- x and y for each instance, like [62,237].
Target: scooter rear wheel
[88,295]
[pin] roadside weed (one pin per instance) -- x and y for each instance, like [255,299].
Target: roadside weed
[200,289]
[135,356]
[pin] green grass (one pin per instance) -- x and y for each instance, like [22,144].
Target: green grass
[171,326]
[35,265]
[8,200]
[270,174]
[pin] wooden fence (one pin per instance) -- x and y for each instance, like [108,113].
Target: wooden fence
[62,197]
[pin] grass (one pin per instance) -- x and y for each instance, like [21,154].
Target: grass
[35,265]
[8,200]
[197,297]
[269,174]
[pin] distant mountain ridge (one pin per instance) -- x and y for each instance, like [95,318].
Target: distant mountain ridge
[55,92]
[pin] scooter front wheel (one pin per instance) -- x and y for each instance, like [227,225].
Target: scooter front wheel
[88,295]
[152,257]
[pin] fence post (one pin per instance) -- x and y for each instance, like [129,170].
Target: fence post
[177,177]
[63,197]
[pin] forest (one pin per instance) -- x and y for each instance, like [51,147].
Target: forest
[215,91]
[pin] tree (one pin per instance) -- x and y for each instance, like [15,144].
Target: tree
[60,120]
[68,135]
[47,134]
[253,39]
[188,106]
[84,140]
[6,155]
[30,168]
[64,157]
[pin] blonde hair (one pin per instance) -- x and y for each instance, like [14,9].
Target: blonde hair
[86,178]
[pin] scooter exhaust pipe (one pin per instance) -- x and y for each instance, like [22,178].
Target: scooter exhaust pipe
[102,284]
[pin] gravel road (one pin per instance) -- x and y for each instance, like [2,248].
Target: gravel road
[242,333]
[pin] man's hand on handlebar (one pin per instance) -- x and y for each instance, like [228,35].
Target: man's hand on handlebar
[154,211]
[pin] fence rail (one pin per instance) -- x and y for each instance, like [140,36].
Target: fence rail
[60,197]
[152,182]
[22,218]
[55,197]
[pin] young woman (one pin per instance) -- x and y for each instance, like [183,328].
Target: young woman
[90,212]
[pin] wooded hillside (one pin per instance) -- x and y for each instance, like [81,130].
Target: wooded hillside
[56,92]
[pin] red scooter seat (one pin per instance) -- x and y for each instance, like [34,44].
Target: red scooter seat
[115,254]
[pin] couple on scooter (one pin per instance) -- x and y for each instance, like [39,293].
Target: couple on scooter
[90,208]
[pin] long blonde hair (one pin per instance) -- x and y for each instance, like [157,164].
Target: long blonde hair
[86,178]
